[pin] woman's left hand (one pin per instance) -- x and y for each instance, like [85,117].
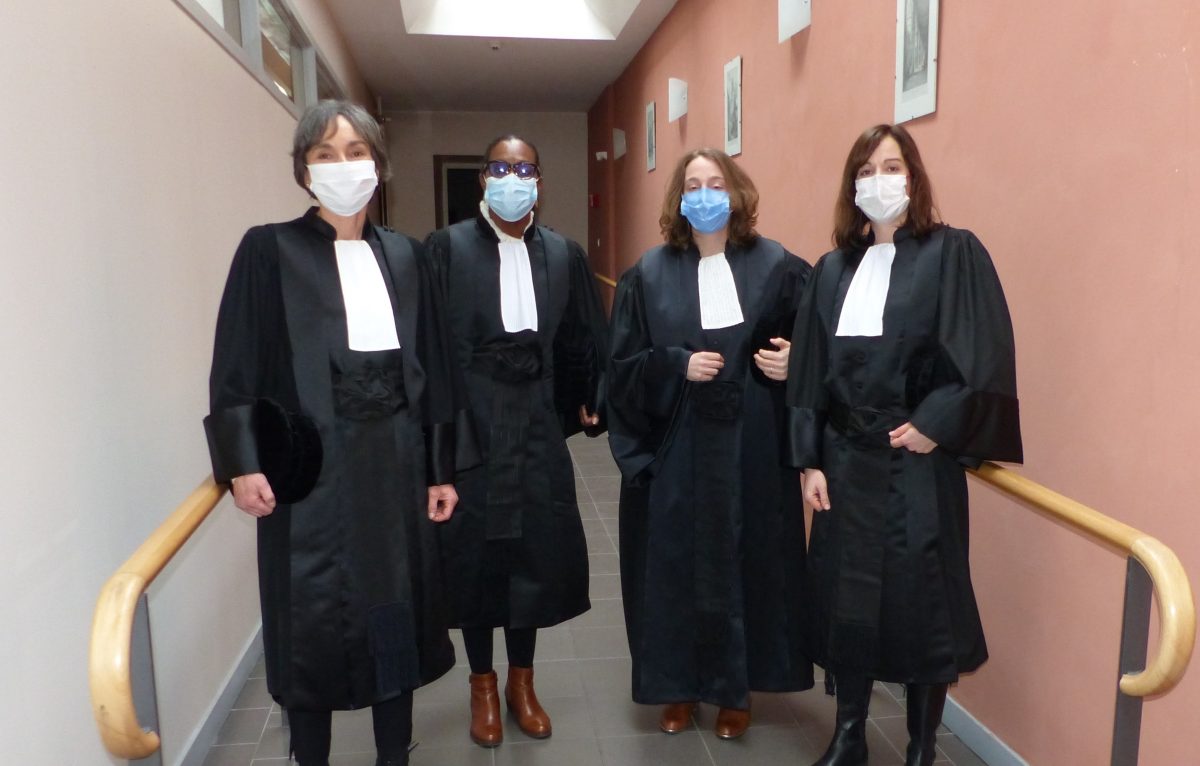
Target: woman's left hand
[774,361]
[587,418]
[442,499]
[910,438]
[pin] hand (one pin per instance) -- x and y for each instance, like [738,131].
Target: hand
[252,493]
[816,491]
[911,439]
[773,363]
[587,418]
[442,499]
[704,365]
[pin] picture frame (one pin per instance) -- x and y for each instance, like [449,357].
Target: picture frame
[794,17]
[733,107]
[650,137]
[916,58]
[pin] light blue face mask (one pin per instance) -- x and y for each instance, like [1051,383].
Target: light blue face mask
[707,210]
[510,197]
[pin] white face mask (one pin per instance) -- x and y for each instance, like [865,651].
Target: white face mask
[343,188]
[882,197]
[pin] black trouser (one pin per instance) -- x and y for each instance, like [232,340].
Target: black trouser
[520,643]
[392,720]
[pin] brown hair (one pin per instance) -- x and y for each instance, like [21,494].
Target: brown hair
[849,223]
[743,201]
[320,119]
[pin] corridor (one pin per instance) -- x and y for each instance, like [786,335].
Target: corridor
[582,674]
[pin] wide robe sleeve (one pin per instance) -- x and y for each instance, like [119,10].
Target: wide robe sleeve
[645,382]
[580,349]
[450,428]
[450,444]
[971,410]
[251,356]
[808,365]
[779,319]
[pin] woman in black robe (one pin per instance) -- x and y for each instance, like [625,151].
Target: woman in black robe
[903,373]
[529,336]
[712,528]
[332,417]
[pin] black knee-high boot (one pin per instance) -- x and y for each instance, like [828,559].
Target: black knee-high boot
[310,731]
[849,744]
[925,705]
[393,730]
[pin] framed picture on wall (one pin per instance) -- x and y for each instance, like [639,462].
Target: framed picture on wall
[733,107]
[916,58]
[794,15]
[650,137]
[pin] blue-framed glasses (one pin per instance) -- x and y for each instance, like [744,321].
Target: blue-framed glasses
[500,168]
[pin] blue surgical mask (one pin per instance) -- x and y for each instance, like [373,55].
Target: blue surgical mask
[707,210]
[510,197]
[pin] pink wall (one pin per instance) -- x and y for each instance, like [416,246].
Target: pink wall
[1066,137]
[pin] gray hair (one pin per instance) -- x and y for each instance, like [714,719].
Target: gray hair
[319,119]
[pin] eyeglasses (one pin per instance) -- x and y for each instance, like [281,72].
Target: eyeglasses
[500,168]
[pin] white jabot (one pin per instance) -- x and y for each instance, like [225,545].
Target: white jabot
[518,305]
[862,311]
[370,322]
[719,304]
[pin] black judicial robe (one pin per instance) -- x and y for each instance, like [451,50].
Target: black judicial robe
[712,527]
[891,579]
[352,602]
[514,553]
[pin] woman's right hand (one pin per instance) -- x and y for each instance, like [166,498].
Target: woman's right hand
[704,365]
[816,491]
[252,493]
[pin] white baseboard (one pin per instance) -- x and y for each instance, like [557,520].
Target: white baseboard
[206,734]
[982,740]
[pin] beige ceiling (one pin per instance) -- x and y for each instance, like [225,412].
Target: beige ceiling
[470,73]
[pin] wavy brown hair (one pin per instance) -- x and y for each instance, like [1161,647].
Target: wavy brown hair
[850,225]
[743,201]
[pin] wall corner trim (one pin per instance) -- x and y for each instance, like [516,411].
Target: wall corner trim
[206,734]
[982,740]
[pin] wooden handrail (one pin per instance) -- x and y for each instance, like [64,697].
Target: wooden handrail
[112,626]
[1176,608]
[605,280]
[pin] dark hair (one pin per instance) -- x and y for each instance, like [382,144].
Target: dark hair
[537,158]
[849,223]
[743,201]
[317,122]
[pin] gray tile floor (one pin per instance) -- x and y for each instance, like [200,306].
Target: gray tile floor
[582,674]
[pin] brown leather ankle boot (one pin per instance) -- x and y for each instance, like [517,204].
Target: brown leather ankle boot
[486,729]
[732,722]
[676,717]
[523,703]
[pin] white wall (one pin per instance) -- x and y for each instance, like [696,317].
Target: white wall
[561,139]
[137,151]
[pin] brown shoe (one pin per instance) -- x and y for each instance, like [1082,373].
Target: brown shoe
[676,717]
[523,703]
[486,730]
[732,723]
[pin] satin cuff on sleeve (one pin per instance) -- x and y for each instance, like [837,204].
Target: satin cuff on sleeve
[975,425]
[232,445]
[450,448]
[802,437]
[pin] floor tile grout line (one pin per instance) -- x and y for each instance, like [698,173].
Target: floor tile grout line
[871,722]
